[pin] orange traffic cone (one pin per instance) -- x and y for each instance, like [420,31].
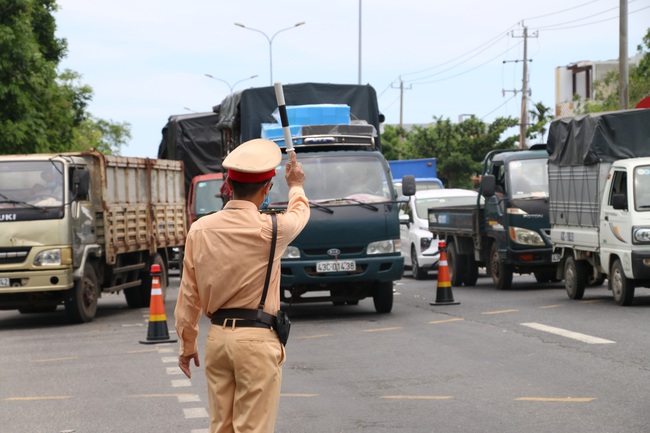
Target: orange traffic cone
[157,332]
[444,296]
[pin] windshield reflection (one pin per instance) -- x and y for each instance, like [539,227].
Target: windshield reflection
[31,183]
[528,178]
[335,180]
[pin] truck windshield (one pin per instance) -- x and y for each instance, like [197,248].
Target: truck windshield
[333,179]
[528,178]
[208,196]
[642,188]
[31,183]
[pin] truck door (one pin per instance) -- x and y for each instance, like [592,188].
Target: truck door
[615,224]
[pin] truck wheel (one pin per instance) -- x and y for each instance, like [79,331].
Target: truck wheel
[418,272]
[81,307]
[140,297]
[622,287]
[457,265]
[501,272]
[575,277]
[471,276]
[383,297]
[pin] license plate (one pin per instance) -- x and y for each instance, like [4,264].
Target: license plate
[4,282]
[555,258]
[336,266]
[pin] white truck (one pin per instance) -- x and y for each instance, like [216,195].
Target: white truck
[76,225]
[599,182]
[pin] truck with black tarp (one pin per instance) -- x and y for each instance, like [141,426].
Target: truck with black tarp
[509,232]
[599,179]
[349,249]
[74,226]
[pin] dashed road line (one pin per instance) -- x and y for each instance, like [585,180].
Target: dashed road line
[34,398]
[591,301]
[418,397]
[568,334]
[298,395]
[499,312]
[195,412]
[306,337]
[180,383]
[174,370]
[560,400]
[552,306]
[69,358]
[188,398]
[457,319]
[169,359]
[382,329]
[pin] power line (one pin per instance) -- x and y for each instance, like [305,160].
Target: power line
[562,11]
[552,28]
[506,101]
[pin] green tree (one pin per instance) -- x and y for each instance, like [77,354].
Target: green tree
[458,147]
[541,116]
[41,111]
[606,90]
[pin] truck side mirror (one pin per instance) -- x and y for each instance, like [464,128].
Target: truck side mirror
[488,185]
[619,202]
[408,185]
[81,184]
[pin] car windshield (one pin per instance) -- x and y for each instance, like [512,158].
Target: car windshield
[422,205]
[420,185]
[336,180]
[31,183]
[528,178]
[642,188]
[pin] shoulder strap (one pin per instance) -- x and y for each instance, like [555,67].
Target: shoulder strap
[260,308]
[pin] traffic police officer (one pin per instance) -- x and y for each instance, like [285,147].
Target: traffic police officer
[226,258]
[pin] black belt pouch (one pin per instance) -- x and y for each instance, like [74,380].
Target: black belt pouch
[282,327]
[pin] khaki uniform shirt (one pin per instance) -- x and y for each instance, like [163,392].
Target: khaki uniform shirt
[226,257]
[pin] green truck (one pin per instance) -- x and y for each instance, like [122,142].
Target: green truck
[508,231]
[350,248]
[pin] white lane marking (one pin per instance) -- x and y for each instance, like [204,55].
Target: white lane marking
[196,412]
[188,398]
[165,350]
[179,383]
[202,430]
[169,359]
[568,334]
[174,370]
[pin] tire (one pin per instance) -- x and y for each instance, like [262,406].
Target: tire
[81,307]
[501,273]
[622,287]
[575,277]
[383,297]
[418,272]
[457,265]
[140,296]
[471,276]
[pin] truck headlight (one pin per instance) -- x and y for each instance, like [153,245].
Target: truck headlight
[384,247]
[641,235]
[526,237]
[291,253]
[48,258]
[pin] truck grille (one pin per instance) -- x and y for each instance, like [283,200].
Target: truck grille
[13,255]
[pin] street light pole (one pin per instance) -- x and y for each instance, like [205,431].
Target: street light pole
[270,40]
[234,84]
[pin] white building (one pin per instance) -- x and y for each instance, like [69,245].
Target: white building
[579,78]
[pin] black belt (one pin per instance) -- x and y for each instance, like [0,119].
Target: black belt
[239,323]
[242,313]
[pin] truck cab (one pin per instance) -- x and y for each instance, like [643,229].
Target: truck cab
[350,248]
[516,215]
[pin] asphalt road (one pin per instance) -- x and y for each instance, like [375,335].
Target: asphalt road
[524,360]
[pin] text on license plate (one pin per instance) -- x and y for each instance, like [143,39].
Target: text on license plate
[336,266]
[4,282]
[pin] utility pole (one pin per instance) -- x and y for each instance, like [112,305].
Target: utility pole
[623,72]
[525,91]
[401,113]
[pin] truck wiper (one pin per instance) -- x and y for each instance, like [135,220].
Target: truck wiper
[319,207]
[347,199]
[7,200]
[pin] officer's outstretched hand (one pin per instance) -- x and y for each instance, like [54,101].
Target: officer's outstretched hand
[184,363]
[294,174]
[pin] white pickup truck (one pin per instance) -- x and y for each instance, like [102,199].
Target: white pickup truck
[599,182]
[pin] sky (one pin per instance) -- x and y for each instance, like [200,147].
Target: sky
[146,59]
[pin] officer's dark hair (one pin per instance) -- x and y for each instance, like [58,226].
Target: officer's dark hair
[244,190]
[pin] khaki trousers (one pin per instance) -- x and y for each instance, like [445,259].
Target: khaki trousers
[244,371]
